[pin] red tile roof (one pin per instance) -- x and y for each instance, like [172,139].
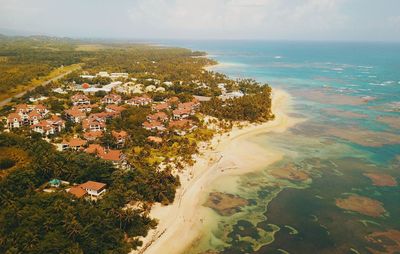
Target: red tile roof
[77,191]
[92,185]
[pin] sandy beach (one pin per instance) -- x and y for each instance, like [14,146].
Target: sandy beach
[229,154]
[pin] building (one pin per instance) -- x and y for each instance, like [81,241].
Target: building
[182,127]
[111,99]
[75,144]
[26,115]
[90,188]
[94,188]
[159,116]
[75,115]
[139,101]
[182,113]
[154,126]
[114,109]
[120,137]
[115,156]
[79,99]
[50,126]
[94,124]
[77,191]
[161,106]
[93,135]
[14,120]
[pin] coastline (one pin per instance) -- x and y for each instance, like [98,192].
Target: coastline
[228,154]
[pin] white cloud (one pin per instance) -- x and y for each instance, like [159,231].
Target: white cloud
[221,18]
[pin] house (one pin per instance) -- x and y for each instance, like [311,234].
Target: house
[153,126]
[103,74]
[159,116]
[139,101]
[231,95]
[93,135]
[115,156]
[161,106]
[74,115]
[94,188]
[114,109]
[32,117]
[182,113]
[120,136]
[79,99]
[77,191]
[26,115]
[111,99]
[85,107]
[73,144]
[14,120]
[50,126]
[181,127]
[89,188]
[106,88]
[94,124]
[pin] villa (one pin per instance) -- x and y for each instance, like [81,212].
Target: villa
[91,188]
[75,115]
[79,99]
[111,99]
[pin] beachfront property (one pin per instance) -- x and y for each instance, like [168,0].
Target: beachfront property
[182,127]
[231,95]
[115,156]
[91,189]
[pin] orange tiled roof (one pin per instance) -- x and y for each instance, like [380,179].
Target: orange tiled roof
[92,185]
[119,134]
[77,191]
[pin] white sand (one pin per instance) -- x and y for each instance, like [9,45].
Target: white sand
[181,222]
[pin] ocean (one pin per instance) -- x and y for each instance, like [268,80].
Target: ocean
[337,188]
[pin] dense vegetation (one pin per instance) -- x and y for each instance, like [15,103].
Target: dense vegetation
[37,222]
[251,107]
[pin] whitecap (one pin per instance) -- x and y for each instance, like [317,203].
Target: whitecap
[277,57]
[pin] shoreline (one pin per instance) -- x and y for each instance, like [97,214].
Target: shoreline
[228,154]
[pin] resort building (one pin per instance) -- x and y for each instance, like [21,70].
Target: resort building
[75,115]
[111,99]
[139,101]
[159,116]
[79,99]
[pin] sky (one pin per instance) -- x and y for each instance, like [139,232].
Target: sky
[343,20]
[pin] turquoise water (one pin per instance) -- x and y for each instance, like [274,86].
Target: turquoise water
[350,94]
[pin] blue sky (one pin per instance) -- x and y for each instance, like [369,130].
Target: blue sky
[371,20]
